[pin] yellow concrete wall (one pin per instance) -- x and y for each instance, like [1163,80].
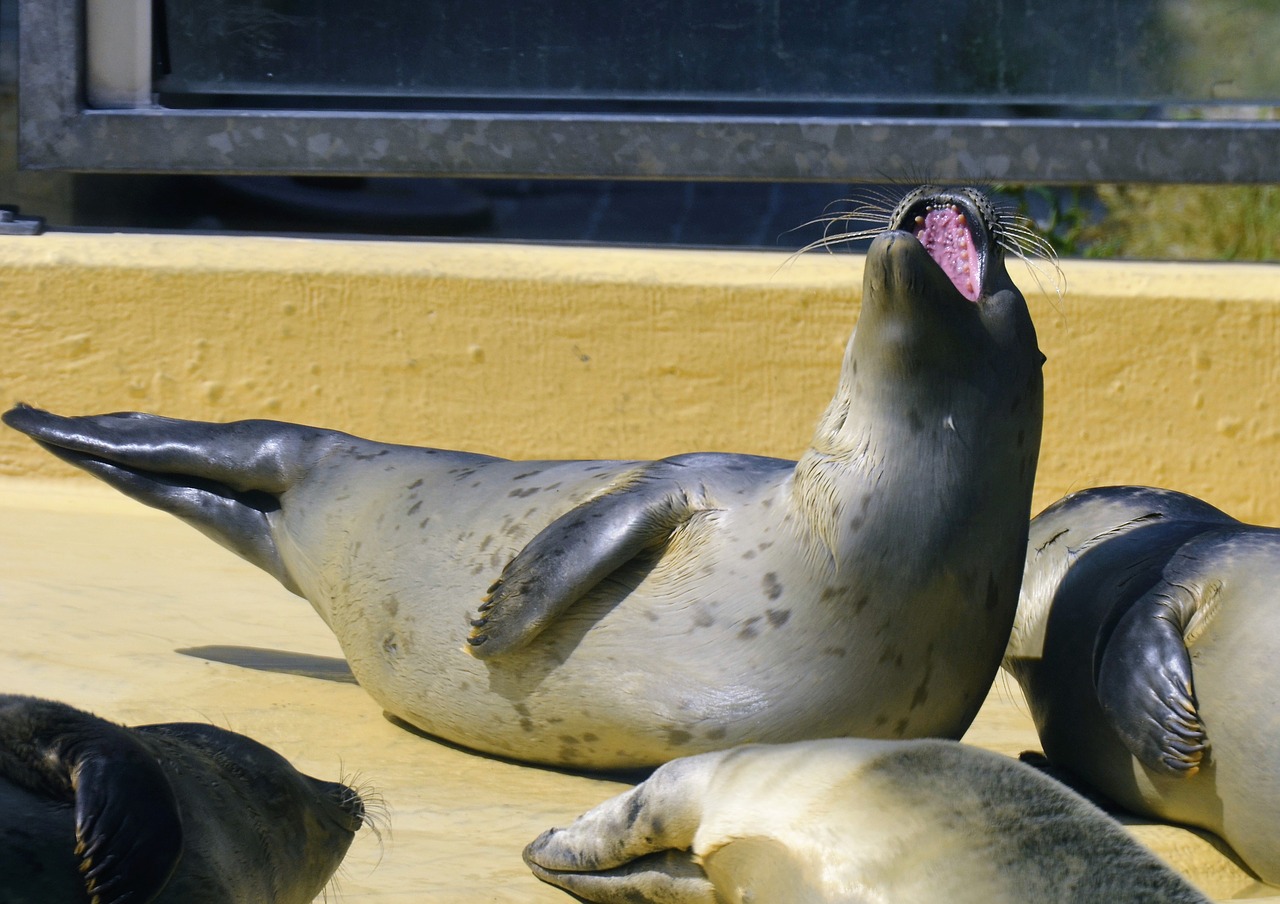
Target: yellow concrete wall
[1157,373]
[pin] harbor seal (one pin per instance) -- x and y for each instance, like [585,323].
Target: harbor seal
[844,820]
[95,812]
[639,611]
[1147,643]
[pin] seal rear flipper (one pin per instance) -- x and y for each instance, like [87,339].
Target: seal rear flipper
[245,456]
[1145,686]
[223,479]
[572,555]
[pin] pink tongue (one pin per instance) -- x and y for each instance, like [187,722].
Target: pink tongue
[945,235]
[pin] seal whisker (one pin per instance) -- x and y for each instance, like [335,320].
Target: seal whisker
[876,209]
[831,241]
[827,242]
[1017,236]
[375,811]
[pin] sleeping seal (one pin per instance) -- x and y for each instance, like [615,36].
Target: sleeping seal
[851,820]
[638,611]
[1147,643]
[179,813]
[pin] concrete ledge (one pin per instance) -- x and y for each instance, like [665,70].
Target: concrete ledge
[1157,373]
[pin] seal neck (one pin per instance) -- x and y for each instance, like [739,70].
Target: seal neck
[845,466]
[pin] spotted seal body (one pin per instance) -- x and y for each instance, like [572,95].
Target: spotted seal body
[621,613]
[1147,643]
[844,820]
[177,813]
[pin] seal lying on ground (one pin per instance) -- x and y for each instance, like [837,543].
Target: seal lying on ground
[851,820]
[638,611]
[1147,643]
[176,813]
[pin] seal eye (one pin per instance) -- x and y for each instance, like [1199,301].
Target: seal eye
[944,232]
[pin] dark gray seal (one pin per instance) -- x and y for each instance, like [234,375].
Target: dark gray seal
[851,820]
[1147,643]
[638,611]
[178,813]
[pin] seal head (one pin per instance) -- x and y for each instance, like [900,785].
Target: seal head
[94,811]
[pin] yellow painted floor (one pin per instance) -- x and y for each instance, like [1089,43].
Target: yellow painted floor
[98,595]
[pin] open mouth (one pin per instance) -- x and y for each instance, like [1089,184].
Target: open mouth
[952,227]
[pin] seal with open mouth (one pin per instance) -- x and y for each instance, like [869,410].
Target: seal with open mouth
[622,613]
[1147,642]
[849,819]
[176,813]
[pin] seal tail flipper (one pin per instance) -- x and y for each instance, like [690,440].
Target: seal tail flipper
[636,846]
[573,554]
[128,828]
[1145,687]
[246,456]
[224,479]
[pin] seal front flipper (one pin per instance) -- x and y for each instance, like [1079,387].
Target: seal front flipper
[128,829]
[1144,679]
[223,479]
[669,877]
[574,553]
[636,846]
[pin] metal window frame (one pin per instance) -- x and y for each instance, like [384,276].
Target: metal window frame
[58,131]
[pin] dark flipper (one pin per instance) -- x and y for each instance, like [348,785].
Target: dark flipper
[223,479]
[128,828]
[573,554]
[1145,684]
